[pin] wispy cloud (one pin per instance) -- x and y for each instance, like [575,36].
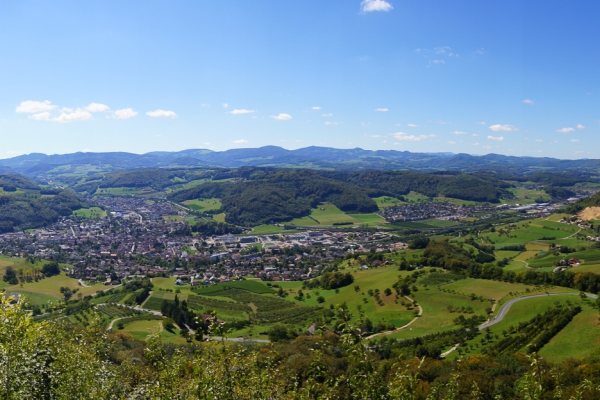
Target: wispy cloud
[575,140]
[316,108]
[71,116]
[225,105]
[412,125]
[327,115]
[451,142]
[565,130]
[580,127]
[405,137]
[125,113]
[240,141]
[480,123]
[161,114]
[382,109]
[31,106]
[282,117]
[475,135]
[459,133]
[528,101]
[375,5]
[479,52]
[241,111]
[43,116]
[331,123]
[496,138]
[96,107]
[503,128]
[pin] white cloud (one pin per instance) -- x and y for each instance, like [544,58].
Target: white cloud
[565,130]
[330,123]
[240,141]
[409,138]
[373,136]
[70,116]
[459,133]
[480,123]
[503,128]
[161,114]
[375,5]
[316,108]
[327,115]
[225,105]
[575,140]
[451,142]
[497,138]
[443,122]
[43,116]
[412,125]
[96,107]
[437,62]
[580,127]
[539,140]
[486,147]
[528,101]
[125,113]
[475,135]
[242,111]
[479,52]
[282,117]
[31,106]
[382,110]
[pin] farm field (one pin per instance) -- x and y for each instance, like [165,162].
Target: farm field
[219,217]
[369,219]
[525,196]
[203,204]
[92,213]
[324,215]
[486,288]
[533,230]
[459,202]
[580,332]
[120,191]
[51,286]
[386,201]
[141,329]
[576,339]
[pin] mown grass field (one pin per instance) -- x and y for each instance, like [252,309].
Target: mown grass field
[324,215]
[577,339]
[486,288]
[369,219]
[219,217]
[92,212]
[203,204]
[386,201]
[533,230]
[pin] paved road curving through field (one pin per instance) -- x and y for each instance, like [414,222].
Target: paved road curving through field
[506,306]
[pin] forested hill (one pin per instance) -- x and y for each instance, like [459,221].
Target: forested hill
[18,212]
[277,195]
[13,182]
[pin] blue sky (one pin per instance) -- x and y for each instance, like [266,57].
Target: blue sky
[476,77]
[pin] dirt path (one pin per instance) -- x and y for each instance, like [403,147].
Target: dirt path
[82,284]
[569,237]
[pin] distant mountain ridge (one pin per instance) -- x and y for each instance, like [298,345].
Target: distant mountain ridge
[38,164]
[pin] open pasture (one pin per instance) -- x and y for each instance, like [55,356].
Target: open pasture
[324,215]
[92,213]
[369,219]
[534,230]
[203,204]
[386,201]
[486,288]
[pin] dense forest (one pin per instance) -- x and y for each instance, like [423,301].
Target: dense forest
[17,181]
[19,212]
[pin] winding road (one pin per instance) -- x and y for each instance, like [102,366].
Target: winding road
[506,306]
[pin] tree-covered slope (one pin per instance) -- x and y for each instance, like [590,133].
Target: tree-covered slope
[279,195]
[21,212]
